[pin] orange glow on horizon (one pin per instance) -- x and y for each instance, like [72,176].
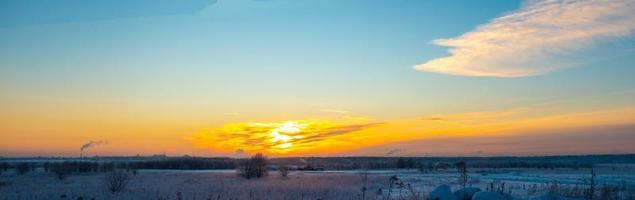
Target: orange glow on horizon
[319,137]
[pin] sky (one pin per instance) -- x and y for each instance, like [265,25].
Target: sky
[316,77]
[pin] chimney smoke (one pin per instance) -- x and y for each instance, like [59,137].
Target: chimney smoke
[89,145]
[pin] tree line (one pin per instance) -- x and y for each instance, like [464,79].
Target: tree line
[314,163]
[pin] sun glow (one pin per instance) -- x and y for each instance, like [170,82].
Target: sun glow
[278,138]
[283,135]
[321,137]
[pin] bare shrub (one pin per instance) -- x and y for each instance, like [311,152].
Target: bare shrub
[3,167]
[365,183]
[628,191]
[254,167]
[400,186]
[608,192]
[393,180]
[116,181]
[574,192]
[414,195]
[3,183]
[23,168]
[532,189]
[284,171]
[61,170]
[554,188]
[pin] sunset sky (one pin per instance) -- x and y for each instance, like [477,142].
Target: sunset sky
[316,77]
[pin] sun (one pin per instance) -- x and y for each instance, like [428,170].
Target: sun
[284,134]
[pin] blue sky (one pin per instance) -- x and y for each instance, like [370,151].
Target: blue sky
[202,61]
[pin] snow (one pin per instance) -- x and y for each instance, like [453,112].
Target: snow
[442,192]
[531,184]
[483,195]
[466,192]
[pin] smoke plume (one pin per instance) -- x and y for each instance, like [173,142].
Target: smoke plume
[89,145]
[393,152]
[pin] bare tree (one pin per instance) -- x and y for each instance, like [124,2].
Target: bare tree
[393,180]
[589,194]
[254,167]
[116,181]
[463,178]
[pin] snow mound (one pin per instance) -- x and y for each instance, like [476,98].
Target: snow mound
[442,192]
[466,192]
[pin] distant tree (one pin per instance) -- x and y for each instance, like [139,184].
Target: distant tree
[107,167]
[116,181]
[254,167]
[23,168]
[406,163]
[440,165]
[3,167]
[422,168]
[85,167]
[46,166]
[401,163]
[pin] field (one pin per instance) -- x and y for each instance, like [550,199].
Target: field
[225,184]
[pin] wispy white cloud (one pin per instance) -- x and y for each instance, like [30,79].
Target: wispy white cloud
[538,38]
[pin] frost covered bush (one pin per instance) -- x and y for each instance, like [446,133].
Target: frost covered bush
[116,181]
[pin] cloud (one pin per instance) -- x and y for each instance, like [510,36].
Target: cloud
[433,118]
[480,116]
[493,132]
[540,37]
[588,140]
[275,137]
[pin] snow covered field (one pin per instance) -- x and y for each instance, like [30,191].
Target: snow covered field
[224,184]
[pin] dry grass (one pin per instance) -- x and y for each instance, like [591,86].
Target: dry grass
[194,185]
[223,185]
